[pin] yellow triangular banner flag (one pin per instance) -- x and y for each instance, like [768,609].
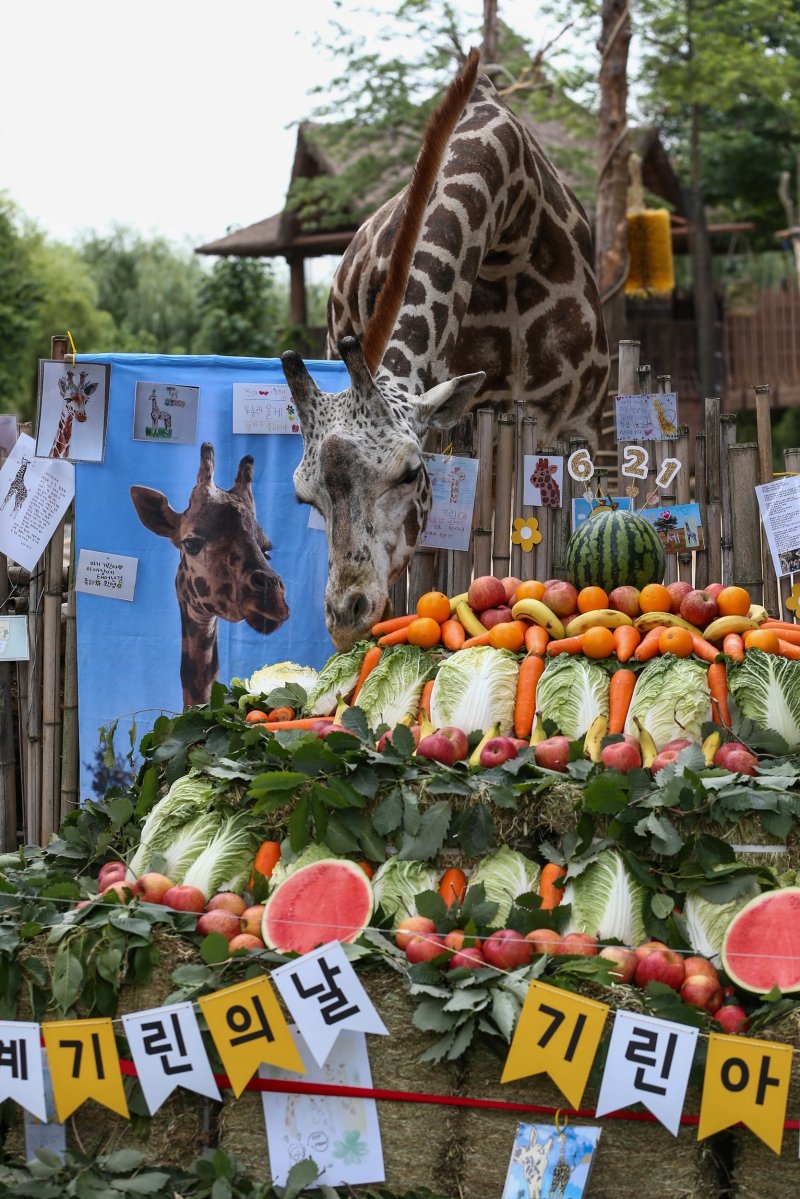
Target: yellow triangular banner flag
[248,1028]
[557,1034]
[84,1064]
[749,1081]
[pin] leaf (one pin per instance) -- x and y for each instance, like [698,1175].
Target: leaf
[152,1183]
[123,1161]
[431,904]
[467,999]
[389,813]
[276,780]
[462,1039]
[67,977]
[298,825]
[474,830]
[191,975]
[661,906]
[301,1175]
[214,949]
[134,926]
[431,836]
[120,811]
[354,720]
[338,837]
[429,1016]
[505,1011]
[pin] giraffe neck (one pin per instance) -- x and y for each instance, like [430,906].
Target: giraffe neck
[63,436]
[199,656]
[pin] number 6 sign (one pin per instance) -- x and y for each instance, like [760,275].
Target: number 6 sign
[580,465]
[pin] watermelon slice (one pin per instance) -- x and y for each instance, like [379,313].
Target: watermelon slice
[761,949]
[325,901]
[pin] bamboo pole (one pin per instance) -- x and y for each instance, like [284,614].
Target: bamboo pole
[459,562]
[727,438]
[503,486]
[701,556]
[626,385]
[572,490]
[683,494]
[528,438]
[713,486]
[70,757]
[766,475]
[8,766]
[561,522]
[662,450]
[544,550]
[519,485]
[791,460]
[743,465]
[33,712]
[482,535]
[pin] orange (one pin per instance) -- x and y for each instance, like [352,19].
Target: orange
[425,632]
[676,641]
[591,599]
[762,639]
[655,598]
[434,604]
[598,643]
[531,589]
[510,634]
[733,601]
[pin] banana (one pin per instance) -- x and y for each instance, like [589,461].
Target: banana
[723,625]
[471,624]
[710,747]
[649,620]
[539,613]
[593,741]
[475,756]
[456,600]
[341,708]
[537,733]
[758,613]
[605,618]
[647,745]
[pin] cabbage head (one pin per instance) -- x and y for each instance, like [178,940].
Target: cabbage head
[396,885]
[607,901]
[391,693]
[475,689]
[505,873]
[188,798]
[262,681]
[671,699]
[708,922]
[766,688]
[336,680]
[572,692]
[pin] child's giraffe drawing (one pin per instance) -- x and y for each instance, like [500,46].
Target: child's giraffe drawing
[17,487]
[158,414]
[223,570]
[542,479]
[457,477]
[73,407]
[483,265]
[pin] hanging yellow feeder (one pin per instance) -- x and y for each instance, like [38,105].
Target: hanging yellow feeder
[651,271]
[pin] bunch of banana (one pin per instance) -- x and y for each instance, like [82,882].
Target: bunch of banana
[593,741]
[723,625]
[605,618]
[539,613]
[649,620]
[758,613]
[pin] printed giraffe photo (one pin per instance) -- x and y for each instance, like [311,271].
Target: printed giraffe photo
[223,566]
[73,410]
[9,431]
[165,412]
[544,480]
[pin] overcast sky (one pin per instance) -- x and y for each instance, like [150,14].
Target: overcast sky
[169,116]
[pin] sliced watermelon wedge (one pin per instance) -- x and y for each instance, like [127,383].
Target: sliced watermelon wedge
[761,949]
[325,901]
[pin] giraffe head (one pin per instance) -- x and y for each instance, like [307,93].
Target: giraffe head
[362,468]
[224,553]
[75,394]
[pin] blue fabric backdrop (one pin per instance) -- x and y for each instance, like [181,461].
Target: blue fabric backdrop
[129,653]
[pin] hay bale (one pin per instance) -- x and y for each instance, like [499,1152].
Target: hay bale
[757,1171]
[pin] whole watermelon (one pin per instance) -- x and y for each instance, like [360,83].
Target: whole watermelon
[614,548]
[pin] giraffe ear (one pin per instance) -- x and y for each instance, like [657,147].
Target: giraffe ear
[305,392]
[445,404]
[155,512]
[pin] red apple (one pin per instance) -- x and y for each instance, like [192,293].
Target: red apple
[154,886]
[124,892]
[386,738]
[411,925]
[741,763]
[678,743]
[333,727]
[245,941]
[424,949]
[185,898]
[698,990]
[625,962]
[721,756]
[698,965]
[251,919]
[678,591]
[582,944]
[553,753]
[663,966]
[545,940]
[520,744]
[497,751]
[699,608]
[510,585]
[732,1018]
[507,949]
[621,756]
[470,957]
[226,901]
[486,592]
[111,872]
[447,745]
[492,616]
[561,598]
[455,939]
[663,759]
[219,922]
[626,600]
[646,947]
[714,589]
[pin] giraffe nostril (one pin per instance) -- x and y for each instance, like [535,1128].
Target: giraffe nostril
[360,607]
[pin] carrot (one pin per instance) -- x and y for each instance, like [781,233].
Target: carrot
[307,722]
[256,716]
[551,894]
[368,663]
[530,672]
[391,626]
[626,640]
[565,645]
[453,635]
[398,637]
[619,698]
[733,646]
[787,650]
[704,649]
[281,714]
[648,646]
[772,623]
[453,886]
[790,635]
[536,639]
[424,711]
[267,857]
[481,639]
[718,686]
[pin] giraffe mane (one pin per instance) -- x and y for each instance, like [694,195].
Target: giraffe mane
[434,143]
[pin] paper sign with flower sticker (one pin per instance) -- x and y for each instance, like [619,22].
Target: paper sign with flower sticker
[793,599]
[526,533]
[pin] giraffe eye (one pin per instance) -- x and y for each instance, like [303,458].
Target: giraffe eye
[193,545]
[410,475]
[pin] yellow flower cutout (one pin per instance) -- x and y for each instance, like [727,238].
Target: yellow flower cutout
[793,600]
[526,533]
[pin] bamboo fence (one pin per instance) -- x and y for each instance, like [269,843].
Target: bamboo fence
[38,699]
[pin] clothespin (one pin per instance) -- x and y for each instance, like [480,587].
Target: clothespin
[447,452]
[560,1128]
[71,345]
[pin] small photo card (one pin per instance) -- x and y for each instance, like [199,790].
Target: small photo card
[647,417]
[73,410]
[582,507]
[544,481]
[779,503]
[14,639]
[264,408]
[34,495]
[9,431]
[111,575]
[450,519]
[679,527]
[551,1163]
[166,413]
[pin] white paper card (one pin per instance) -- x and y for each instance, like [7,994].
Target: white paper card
[315,519]
[647,417]
[21,1075]
[48,1133]
[112,575]
[264,408]
[779,503]
[648,1062]
[544,481]
[14,639]
[341,1135]
[168,1052]
[450,519]
[34,495]
[324,995]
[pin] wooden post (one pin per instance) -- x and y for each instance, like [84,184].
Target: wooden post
[727,438]
[744,472]
[791,460]
[297,290]
[529,570]
[712,523]
[519,486]
[626,386]
[701,556]
[459,562]
[561,522]
[683,495]
[503,488]
[611,189]
[8,770]
[766,475]
[70,757]
[482,535]
[544,550]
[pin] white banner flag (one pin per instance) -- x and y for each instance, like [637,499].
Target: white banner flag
[648,1062]
[323,994]
[21,1076]
[168,1052]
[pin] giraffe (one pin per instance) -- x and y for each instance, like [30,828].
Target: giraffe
[542,479]
[158,414]
[73,407]
[483,266]
[17,487]
[223,569]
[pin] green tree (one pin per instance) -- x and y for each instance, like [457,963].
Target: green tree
[241,309]
[21,297]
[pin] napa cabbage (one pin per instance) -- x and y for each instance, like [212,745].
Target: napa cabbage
[572,692]
[607,901]
[336,680]
[671,699]
[475,689]
[708,922]
[766,688]
[227,859]
[268,678]
[189,797]
[392,691]
[505,874]
[396,885]
[187,843]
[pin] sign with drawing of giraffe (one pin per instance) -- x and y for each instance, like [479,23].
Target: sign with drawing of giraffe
[647,417]
[73,411]
[165,412]
[34,495]
[544,480]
